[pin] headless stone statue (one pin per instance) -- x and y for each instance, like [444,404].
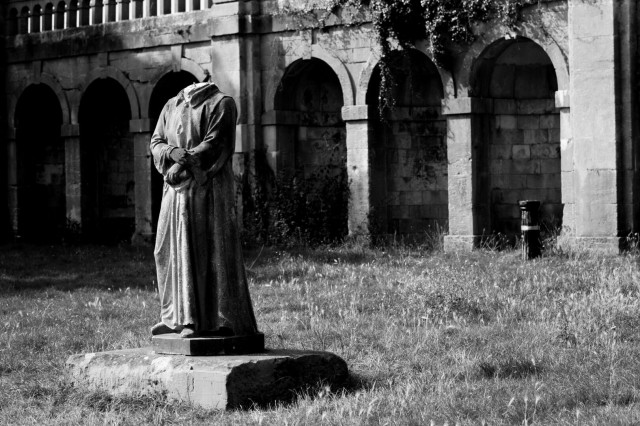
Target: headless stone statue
[200,268]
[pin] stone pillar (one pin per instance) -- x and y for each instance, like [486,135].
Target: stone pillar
[468,208]
[132,9]
[12,180]
[119,10]
[94,17]
[359,169]
[595,121]
[188,5]
[72,175]
[278,139]
[146,8]
[566,167]
[143,166]
[65,17]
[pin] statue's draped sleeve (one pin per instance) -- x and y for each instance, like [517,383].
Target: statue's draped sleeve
[160,148]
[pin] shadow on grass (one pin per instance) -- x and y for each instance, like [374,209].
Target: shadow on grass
[67,268]
[511,368]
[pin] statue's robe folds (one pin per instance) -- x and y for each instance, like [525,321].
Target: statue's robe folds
[199,262]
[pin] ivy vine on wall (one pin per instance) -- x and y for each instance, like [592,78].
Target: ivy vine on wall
[400,23]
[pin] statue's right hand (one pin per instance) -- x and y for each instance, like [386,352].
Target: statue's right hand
[178,155]
[175,174]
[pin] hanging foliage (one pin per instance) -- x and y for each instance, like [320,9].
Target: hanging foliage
[400,23]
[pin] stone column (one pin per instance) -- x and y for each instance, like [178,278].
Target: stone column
[468,208]
[119,10]
[595,120]
[566,167]
[72,176]
[143,166]
[12,180]
[146,8]
[94,17]
[278,139]
[359,169]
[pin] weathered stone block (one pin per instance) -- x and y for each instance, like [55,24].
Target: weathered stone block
[550,121]
[500,152]
[210,382]
[528,122]
[533,106]
[507,122]
[504,106]
[521,152]
[545,151]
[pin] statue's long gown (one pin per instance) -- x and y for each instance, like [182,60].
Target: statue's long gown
[201,276]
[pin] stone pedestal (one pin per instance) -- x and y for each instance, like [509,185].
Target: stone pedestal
[173,344]
[210,382]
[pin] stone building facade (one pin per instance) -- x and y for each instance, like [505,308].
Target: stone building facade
[547,111]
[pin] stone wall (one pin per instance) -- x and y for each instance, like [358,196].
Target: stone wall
[513,112]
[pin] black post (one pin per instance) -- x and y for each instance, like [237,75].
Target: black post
[531,244]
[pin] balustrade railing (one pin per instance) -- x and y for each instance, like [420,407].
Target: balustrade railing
[26,17]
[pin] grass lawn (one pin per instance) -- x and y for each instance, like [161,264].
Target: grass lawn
[430,338]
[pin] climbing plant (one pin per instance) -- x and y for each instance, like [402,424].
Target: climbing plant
[400,23]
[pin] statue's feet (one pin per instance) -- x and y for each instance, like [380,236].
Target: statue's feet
[161,328]
[187,332]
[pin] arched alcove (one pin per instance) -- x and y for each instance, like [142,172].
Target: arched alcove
[35,19]
[72,14]
[409,155]
[12,22]
[59,15]
[521,139]
[23,21]
[166,88]
[47,19]
[41,170]
[310,138]
[108,185]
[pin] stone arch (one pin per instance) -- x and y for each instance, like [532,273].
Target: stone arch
[35,18]
[373,60]
[336,65]
[23,20]
[408,150]
[54,84]
[107,161]
[481,46]
[119,76]
[305,140]
[520,136]
[12,22]
[40,164]
[194,69]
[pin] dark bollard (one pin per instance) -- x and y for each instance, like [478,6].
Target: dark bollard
[531,244]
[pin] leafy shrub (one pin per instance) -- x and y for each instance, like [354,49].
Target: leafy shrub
[293,209]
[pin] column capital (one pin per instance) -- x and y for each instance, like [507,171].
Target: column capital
[467,105]
[356,112]
[141,125]
[563,99]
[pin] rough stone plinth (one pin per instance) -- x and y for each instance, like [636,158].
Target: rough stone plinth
[173,344]
[211,382]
